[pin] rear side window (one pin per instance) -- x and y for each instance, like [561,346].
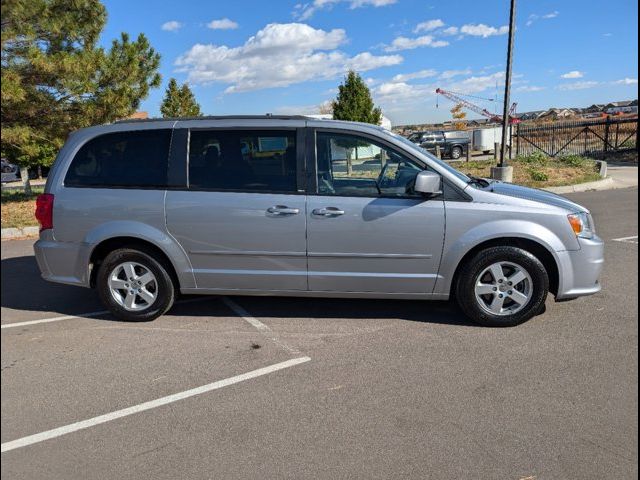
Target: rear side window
[243,160]
[124,159]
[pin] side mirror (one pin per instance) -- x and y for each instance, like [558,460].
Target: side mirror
[429,183]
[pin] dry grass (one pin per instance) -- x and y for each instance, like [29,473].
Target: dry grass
[18,209]
[538,174]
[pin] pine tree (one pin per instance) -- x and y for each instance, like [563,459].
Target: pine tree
[354,102]
[56,79]
[179,101]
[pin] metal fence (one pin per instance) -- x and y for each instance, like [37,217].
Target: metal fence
[576,137]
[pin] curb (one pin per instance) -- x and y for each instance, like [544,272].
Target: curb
[15,233]
[604,184]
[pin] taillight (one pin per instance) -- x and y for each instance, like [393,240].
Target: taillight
[44,211]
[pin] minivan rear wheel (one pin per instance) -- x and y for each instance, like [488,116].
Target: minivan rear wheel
[134,286]
[502,287]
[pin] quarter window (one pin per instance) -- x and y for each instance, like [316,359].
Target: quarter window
[355,166]
[243,160]
[123,159]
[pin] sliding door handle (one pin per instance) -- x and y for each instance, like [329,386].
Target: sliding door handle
[328,212]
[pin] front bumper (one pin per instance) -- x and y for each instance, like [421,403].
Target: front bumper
[580,269]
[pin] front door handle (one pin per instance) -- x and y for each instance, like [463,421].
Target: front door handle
[328,212]
[282,210]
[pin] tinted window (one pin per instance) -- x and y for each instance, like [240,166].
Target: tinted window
[356,166]
[124,159]
[243,160]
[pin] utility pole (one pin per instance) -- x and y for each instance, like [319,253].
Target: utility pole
[503,171]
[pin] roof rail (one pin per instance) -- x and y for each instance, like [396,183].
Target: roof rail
[215,117]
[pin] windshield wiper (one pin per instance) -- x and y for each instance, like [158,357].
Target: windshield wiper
[479,181]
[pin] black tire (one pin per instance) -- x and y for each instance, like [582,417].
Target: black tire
[456,153]
[165,290]
[469,275]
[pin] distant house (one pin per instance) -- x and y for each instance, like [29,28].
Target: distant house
[595,108]
[628,106]
[139,115]
[530,115]
[556,113]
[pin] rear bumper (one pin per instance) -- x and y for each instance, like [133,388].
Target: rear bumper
[62,262]
[580,269]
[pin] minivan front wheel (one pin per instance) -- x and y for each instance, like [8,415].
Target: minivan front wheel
[502,287]
[134,286]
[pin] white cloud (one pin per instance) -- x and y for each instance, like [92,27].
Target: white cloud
[529,88]
[395,94]
[572,74]
[277,56]
[627,81]
[535,17]
[607,34]
[404,43]
[478,83]
[403,77]
[578,85]
[428,26]
[450,31]
[171,26]
[482,30]
[304,11]
[222,24]
[454,73]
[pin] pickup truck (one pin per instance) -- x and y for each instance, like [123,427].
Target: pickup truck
[452,144]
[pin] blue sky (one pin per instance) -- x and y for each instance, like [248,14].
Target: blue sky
[254,57]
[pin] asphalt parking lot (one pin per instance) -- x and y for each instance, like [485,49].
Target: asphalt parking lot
[320,388]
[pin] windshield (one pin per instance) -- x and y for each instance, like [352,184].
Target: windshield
[444,165]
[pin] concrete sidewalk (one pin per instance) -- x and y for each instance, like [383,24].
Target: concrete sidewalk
[623,177]
[617,177]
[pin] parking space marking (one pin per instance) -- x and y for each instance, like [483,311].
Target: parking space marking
[265,330]
[84,315]
[633,239]
[54,319]
[91,422]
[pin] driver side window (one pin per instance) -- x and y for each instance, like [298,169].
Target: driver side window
[354,166]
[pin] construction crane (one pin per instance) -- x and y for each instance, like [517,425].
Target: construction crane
[457,98]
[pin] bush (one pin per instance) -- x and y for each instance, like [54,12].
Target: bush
[630,143]
[538,175]
[535,158]
[573,160]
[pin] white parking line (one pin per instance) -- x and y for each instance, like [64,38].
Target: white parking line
[82,315]
[633,239]
[91,422]
[53,319]
[258,325]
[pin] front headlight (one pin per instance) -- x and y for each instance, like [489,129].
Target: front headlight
[582,224]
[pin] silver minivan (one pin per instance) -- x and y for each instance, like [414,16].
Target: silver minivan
[295,206]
